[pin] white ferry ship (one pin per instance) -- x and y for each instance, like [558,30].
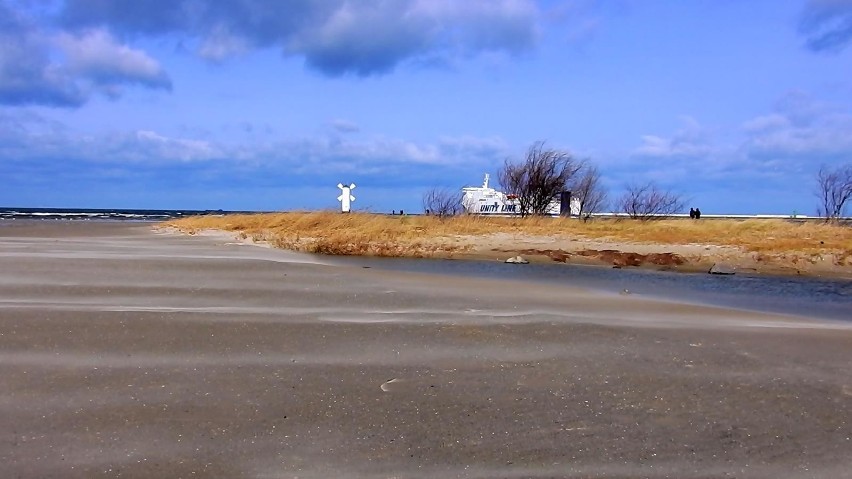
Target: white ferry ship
[484,200]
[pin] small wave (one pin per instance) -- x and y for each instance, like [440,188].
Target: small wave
[82,214]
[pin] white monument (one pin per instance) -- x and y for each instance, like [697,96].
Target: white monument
[345,197]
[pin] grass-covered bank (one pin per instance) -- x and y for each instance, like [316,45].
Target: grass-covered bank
[425,236]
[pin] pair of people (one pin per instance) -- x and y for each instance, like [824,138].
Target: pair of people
[695,213]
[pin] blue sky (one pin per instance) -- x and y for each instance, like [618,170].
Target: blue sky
[267,105]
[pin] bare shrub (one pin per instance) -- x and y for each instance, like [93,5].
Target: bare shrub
[647,201]
[587,188]
[834,188]
[442,202]
[539,178]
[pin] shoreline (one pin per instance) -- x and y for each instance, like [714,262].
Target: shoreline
[692,258]
[773,247]
[669,258]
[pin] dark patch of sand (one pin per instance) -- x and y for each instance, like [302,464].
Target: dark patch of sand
[608,256]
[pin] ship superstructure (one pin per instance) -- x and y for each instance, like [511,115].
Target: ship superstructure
[484,200]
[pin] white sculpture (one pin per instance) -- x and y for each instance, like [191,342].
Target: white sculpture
[345,197]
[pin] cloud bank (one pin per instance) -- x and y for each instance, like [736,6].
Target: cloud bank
[784,146]
[43,67]
[335,37]
[29,143]
[801,131]
[61,53]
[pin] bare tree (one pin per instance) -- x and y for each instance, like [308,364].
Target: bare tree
[588,190]
[648,201]
[834,189]
[539,178]
[442,202]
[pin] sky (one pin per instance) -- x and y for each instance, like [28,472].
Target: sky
[267,105]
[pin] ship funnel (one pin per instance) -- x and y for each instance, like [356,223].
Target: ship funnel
[565,203]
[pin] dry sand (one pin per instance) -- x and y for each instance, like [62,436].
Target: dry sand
[130,353]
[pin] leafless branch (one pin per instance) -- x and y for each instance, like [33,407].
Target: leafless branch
[834,188]
[588,190]
[539,178]
[648,201]
[442,202]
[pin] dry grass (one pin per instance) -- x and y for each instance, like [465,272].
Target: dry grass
[419,236]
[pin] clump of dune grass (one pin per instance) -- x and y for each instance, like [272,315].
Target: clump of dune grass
[758,235]
[331,233]
[422,236]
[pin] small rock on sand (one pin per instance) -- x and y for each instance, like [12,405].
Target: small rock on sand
[721,268]
[517,260]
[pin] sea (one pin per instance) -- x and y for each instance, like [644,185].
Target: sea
[95,214]
[822,298]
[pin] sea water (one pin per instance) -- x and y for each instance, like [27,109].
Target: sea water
[102,214]
[803,296]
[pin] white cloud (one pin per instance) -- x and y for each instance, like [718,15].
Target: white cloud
[800,128]
[689,141]
[95,55]
[40,67]
[766,123]
[149,144]
[221,44]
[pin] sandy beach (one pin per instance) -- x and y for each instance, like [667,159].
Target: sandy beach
[136,353]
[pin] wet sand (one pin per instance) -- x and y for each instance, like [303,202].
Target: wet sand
[130,353]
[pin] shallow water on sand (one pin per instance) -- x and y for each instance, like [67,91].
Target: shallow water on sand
[810,297]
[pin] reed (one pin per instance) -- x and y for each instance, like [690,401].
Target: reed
[418,236]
